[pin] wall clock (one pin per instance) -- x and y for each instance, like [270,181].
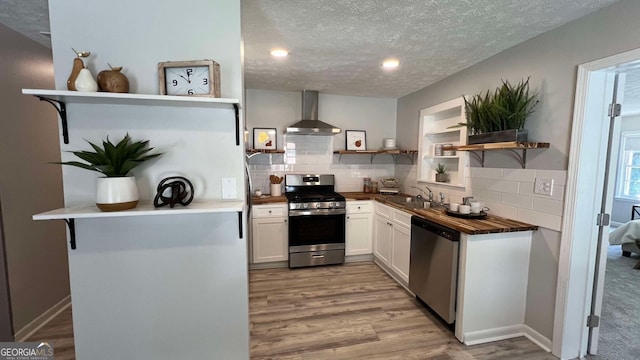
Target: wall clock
[189,78]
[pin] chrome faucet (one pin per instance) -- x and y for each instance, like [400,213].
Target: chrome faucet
[467,200]
[429,195]
[441,198]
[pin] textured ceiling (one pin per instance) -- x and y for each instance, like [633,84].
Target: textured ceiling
[337,46]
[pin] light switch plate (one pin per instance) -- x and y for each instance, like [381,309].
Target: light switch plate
[543,186]
[229,190]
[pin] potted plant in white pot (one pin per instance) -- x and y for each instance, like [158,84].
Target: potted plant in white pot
[499,116]
[116,190]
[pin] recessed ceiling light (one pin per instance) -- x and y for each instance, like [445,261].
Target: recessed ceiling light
[390,64]
[279,52]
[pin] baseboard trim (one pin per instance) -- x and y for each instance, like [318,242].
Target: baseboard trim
[35,325]
[269,265]
[495,334]
[537,338]
[358,258]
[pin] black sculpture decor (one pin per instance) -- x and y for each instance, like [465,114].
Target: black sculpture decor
[181,192]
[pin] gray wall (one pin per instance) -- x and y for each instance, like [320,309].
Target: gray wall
[36,251]
[551,60]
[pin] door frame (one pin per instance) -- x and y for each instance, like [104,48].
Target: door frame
[577,258]
[7,332]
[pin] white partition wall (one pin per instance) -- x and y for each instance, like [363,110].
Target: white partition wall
[168,286]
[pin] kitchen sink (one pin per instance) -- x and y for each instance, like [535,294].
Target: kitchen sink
[415,202]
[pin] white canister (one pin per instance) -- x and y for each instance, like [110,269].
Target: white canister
[437,151]
[454,207]
[389,143]
[276,189]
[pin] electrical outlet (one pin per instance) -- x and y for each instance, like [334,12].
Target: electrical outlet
[543,186]
[229,190]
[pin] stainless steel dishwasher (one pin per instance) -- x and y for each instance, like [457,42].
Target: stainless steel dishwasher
[433,271]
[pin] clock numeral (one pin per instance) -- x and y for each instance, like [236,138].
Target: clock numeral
[189,72]
[190,91]
[205,81]
[175,82]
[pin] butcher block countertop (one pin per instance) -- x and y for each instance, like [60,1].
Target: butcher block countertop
[266,199]
[490,224]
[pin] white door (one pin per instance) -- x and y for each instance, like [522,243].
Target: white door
[401,247]
[588,194]
[358,234]
[382,239]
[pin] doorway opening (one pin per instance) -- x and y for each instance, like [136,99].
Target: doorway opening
[589,200]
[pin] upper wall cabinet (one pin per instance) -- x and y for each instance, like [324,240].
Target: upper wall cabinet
[436,134]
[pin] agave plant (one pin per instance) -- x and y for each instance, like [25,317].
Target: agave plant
[441,169]
[114,160]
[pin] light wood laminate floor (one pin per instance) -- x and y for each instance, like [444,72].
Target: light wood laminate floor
[355,311]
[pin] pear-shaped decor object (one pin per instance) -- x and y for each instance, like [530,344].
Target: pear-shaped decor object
[85,82]
[78,65]
[113,80]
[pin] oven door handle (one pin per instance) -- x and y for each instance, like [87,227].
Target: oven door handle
[314,212]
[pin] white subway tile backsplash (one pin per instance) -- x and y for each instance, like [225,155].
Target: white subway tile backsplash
[522,175]
[486,173]
[515,200]
[548,221]
[503,186]
[501,210]
[526,189]
[547,206]
[486,195]
[559,176]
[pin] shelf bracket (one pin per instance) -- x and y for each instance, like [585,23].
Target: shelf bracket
[240,223]
[478,157]
[237,110]
[521,158]
[71,224]
[61,108]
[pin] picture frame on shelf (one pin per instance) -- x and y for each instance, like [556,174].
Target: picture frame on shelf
[356,140]
[265,138]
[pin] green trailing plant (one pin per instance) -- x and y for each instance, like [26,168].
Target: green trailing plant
[441,169]
[113,160]
[507,108]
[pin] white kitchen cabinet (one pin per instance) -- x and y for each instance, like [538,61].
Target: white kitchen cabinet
[269,230]
[359,228]
[493,271]
[401,247]
[392,240]
[435,129]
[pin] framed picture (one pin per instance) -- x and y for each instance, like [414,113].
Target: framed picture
[264,138]
[356,139]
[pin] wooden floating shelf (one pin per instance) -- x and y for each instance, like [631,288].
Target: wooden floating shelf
[397,151]
[512,146]
[503,146]
[264,151]
[408,153]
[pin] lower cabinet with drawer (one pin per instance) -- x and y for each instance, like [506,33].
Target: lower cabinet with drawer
[358,228]
[269,233]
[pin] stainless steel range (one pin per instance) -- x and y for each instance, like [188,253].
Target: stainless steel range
[316,220]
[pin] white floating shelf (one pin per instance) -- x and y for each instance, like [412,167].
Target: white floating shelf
[78,97]
[143,209]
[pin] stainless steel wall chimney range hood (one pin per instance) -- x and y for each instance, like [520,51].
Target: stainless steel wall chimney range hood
[310,125]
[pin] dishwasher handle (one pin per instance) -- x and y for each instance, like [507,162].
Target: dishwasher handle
[440,230]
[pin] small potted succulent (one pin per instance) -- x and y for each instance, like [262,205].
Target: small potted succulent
[116,190]
[441,173]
